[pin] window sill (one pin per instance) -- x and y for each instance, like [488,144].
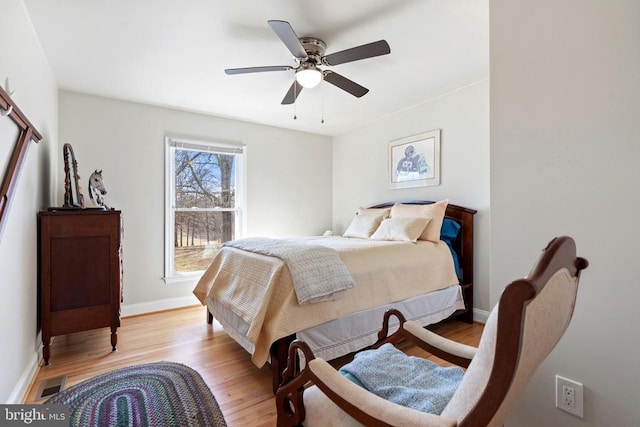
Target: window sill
[193,277]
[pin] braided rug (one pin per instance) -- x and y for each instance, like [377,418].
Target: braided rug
[156,394]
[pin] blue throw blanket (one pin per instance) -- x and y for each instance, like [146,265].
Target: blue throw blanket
[406,380]
[317,272]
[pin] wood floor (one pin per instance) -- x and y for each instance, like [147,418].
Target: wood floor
[242,390]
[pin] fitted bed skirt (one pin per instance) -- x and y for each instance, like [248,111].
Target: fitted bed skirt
[354,331]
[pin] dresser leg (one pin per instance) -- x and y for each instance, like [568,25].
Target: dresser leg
[45,349]
[114,337]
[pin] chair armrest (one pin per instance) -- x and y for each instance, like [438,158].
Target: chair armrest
[449,350]
[340,390]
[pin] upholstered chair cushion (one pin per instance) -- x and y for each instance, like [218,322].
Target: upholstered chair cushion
[547,317]
[477,374]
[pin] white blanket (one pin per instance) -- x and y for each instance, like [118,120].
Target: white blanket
[317,271]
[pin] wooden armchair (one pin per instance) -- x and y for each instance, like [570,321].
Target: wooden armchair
[521,331]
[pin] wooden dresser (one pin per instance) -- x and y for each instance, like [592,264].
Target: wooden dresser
[79,272]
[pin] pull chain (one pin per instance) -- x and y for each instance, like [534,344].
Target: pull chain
[322,103]
[295,99]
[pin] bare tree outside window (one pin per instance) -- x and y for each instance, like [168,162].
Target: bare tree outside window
[204,206]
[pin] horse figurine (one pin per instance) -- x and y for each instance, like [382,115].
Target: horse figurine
[96,188]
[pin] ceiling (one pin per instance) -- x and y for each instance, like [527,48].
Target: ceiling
[173,53]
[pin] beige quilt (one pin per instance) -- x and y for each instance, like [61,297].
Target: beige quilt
[258,288]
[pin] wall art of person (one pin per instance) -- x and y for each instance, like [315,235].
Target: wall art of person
[412,165]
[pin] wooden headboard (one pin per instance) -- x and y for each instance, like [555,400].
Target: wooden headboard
[463,247]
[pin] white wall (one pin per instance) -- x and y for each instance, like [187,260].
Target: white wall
[36,95]
[288,178]
[360,172]
[565,133]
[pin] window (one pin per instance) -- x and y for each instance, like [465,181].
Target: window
[204,183]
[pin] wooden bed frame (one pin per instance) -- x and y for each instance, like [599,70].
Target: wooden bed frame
[464,248]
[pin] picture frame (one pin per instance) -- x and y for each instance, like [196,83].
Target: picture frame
[414,161]
[20,133]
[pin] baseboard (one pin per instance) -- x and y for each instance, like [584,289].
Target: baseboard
[158,305]
[480,316]
[20,390]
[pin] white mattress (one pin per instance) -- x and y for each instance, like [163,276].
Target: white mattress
[357,330]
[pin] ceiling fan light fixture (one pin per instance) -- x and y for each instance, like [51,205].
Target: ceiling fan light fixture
[309,54]
[309,77]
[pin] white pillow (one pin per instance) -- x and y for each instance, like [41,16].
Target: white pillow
[362,226]
[404,229]
[434,211]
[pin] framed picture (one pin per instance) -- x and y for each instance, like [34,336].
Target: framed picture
[414,161]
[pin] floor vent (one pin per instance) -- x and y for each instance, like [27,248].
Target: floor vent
[51,386]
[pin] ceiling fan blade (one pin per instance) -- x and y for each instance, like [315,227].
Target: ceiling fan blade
[345,84]
[293,93]
[381,47]
[284,30]
[257,69]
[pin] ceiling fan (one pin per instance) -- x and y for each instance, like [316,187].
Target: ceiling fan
[309,54]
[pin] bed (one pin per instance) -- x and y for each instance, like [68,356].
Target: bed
[253,297]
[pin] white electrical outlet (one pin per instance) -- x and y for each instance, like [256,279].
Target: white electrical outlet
[569,396]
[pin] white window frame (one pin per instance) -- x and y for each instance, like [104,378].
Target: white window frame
[171,144]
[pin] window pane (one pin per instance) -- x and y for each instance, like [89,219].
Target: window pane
[204,180]
[198,237]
